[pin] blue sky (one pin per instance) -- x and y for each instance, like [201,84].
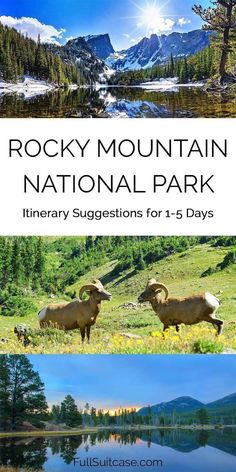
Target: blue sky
[112,381]
[127,21]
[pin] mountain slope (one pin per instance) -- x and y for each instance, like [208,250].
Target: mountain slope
[222,410]
[179,405]
[77,52]
[157,49]
[225,402]
[100,45]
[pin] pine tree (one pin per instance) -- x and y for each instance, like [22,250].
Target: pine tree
[172,66]
[4,392]
[63,412]
[221,18]
[16,261]
[40,61]
[139,262]
[28,259]
[202,416]
[149,415]
[25,396]
[89,243]
[183,76]
[93,413]
[6,272]
[39,259]
[71,415]
[56,413]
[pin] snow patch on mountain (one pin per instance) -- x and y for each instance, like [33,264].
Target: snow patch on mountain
[158,49]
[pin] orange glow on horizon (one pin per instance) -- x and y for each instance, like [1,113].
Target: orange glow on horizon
[120,408]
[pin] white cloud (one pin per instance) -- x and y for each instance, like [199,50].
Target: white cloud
[139,25]
[126,35]
[183,21]
[161,25]
[33,27]
[165,24]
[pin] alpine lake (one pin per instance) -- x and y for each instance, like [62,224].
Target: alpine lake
[123,102]
[172,450]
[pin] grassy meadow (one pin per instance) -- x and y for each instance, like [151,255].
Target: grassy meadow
[137,330]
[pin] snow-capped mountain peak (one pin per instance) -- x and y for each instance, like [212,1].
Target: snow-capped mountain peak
[158,49]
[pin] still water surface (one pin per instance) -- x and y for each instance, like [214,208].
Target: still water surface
[185,451]
[123,102]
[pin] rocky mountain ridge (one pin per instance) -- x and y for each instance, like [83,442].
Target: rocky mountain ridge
[189,404]
[158,49]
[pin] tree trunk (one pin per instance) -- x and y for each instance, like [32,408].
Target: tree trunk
[225,51]
[13,413]
[223,62]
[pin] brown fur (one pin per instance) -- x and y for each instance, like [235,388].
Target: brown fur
[175,311]
[77,314]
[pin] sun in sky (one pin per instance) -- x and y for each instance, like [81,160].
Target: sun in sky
[151,14]
[152,17]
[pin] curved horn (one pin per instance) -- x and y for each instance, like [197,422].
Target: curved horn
[86,288]
[151,282]
[97,283]
[157,285]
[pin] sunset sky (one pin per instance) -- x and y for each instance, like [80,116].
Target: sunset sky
[112,381]
[127,21]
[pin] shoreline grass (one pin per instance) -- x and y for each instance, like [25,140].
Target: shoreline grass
[95,429]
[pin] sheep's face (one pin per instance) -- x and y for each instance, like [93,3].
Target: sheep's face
[99,294]
[148,295]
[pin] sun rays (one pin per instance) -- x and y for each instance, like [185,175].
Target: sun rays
[151,17]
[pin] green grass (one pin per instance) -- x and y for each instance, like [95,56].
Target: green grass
[180,272]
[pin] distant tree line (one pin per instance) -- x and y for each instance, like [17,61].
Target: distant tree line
[68,413]
[20,56]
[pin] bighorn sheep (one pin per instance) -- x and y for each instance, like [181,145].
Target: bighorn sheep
[77,314]
[175,311]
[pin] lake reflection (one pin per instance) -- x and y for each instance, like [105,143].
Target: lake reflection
[179,450]
[123,102]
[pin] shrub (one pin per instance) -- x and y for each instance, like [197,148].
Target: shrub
[228,260]
[209,271]
[14,302]
[207,347]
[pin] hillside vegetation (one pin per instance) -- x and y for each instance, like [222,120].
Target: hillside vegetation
[36,271]
[22,56]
